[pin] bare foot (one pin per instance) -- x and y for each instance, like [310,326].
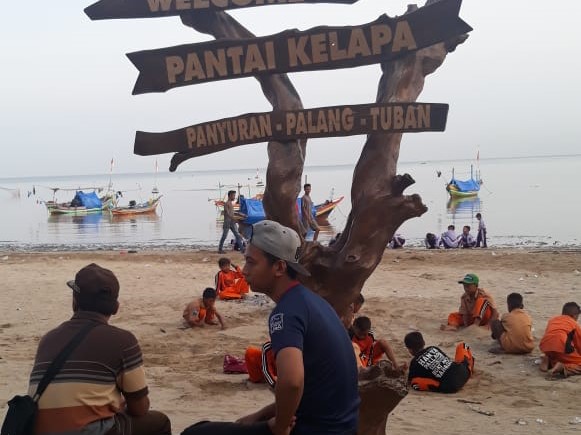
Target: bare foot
[448,328]
[557,369]
[544,366]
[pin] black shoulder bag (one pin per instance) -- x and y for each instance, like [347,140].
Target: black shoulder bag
[22,409]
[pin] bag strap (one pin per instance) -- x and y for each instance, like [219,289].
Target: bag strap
[57,364]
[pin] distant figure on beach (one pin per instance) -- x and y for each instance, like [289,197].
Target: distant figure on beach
[514,330]
[371,350]
[396,242]
[230,223]
[358,303]
[431,241]
[230,283]
[561,343]
[432,370]
[308,221]
[316,386]
[202,311]
[101,388]
[449,239]
[466,239]
[481,236]
[476,306]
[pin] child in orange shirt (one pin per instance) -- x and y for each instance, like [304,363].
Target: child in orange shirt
[202,311]
[230,283]
[371,349]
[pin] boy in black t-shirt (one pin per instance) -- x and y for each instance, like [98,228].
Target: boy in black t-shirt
[432,370]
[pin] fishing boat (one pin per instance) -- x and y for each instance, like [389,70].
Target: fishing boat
[464,188]
[135,208]
[252,210]
[82,203]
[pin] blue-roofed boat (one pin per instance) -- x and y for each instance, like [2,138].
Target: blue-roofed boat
[464,188]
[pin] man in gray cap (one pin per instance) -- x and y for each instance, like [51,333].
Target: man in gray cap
[316,388]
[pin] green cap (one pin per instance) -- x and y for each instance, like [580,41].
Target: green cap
[470,279]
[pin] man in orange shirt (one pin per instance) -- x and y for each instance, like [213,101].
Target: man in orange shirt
[476,306]
[230,283]
[514,330]
[561,343]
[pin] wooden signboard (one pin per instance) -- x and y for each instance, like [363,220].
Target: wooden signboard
[319,48]
[112,9]
[282,126]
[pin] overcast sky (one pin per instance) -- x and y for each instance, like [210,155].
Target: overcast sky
[65,86]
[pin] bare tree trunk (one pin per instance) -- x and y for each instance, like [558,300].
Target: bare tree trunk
[285,160]
[378,204]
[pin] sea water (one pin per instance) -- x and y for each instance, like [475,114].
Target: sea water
[525,202]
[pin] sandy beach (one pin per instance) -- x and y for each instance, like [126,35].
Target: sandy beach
[411,289]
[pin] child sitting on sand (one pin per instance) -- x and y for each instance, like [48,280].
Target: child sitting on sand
[432,370]
[230,283]
[476,306]
[371,350]
[466,239]
[561,343]
[514,330]
[202,311]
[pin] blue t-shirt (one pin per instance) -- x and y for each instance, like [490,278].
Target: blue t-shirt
[330,401]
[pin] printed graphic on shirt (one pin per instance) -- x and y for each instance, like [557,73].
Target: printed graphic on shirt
[276,323]
[435,361]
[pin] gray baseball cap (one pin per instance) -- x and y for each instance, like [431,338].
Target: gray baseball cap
[280,241]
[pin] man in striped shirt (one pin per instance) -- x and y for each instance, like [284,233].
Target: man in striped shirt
[101,389]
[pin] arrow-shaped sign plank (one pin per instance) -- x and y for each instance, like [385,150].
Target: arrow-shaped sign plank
[319,48]
[112,9]
[282,126]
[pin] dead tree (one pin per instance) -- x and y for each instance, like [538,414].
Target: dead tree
[379,206]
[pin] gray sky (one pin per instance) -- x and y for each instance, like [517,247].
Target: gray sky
[65,86]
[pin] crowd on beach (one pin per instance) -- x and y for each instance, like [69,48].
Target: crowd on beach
[313,360]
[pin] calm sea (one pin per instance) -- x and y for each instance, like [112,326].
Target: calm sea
[524,202]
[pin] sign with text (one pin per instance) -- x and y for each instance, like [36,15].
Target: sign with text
[112,9]
[319,48]
[283,126]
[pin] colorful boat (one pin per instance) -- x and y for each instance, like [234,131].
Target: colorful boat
[83,203]
[137,208]
[464,188]
[322,211]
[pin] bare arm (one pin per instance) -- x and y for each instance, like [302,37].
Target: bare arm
[220,320]
[289,387]
[389,352]
[137,407]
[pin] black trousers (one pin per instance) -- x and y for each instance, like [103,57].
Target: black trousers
[220,428]
[481,238]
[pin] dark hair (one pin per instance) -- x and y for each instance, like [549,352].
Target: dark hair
[209,293]
[571,309]
[451,227]
[291,273]
[230,192]
[414,341]
[306,185]
[96,303]
[467,227]
[362,323]
[478,215]
[224,261]
[514,300]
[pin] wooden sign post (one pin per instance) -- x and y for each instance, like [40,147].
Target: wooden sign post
[114,9]
[320,48]
[408,48]
[284,126]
